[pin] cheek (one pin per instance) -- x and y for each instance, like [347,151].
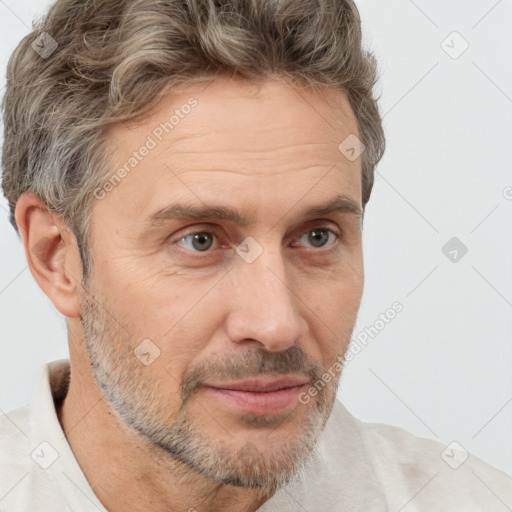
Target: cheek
[333,308]
[177,317]
[337,292]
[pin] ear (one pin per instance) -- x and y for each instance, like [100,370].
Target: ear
[52,253]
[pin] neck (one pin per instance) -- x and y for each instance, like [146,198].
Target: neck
[126,471]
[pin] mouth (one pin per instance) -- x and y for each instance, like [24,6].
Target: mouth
[259,396]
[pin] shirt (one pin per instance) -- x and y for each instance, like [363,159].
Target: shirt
[355,466]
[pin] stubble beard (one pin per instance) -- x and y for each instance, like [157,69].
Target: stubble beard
[138,401]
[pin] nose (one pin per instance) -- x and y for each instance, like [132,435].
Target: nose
[264,305]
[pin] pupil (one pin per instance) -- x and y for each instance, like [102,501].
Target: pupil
[201,238]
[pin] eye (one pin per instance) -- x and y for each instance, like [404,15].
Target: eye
[198,241]
[319,237]
[204,241]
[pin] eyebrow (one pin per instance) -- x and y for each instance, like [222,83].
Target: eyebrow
[186,211]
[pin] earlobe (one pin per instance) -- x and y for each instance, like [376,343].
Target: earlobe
[52,253]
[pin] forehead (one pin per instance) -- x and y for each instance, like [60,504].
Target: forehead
[241,110]
[267,142]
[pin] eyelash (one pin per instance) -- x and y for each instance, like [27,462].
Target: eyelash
[323,249]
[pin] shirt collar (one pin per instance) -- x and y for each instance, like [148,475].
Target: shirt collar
[51,446]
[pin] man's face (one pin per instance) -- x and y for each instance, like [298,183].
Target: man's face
[180,309]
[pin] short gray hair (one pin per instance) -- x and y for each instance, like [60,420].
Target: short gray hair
[116,59]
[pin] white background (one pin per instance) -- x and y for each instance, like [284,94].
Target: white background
[442,368]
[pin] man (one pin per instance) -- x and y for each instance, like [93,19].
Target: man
[203,378]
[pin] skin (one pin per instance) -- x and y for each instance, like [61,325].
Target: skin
[269,151]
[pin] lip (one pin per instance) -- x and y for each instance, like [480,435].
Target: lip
[259,396]
[262,385]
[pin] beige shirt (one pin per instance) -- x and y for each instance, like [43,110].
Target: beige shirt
[356,466]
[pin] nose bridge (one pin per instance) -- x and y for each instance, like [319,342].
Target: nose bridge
[265,308]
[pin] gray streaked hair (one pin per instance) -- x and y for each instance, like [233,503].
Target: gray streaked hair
[116,58]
